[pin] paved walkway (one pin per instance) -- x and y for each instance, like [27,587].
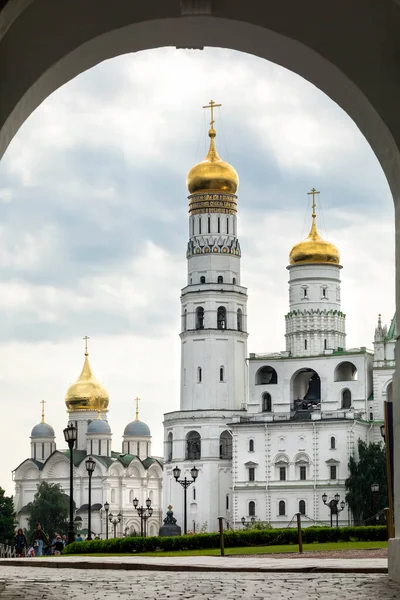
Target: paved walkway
[93,584]
[207,563]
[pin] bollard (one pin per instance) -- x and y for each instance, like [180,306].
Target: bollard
[299,533]
[221,535]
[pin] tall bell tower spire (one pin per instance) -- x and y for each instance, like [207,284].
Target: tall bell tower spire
[214,304]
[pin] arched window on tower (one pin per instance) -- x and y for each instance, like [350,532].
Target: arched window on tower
[251,445]
[199,317]
[252,509]
[225,445]
[170,441]
[234,281]
[239,319]
[221,317]
[302,507]
[193,446]
[220,279]
[209,224]
[199,374]
[221,374]
[266,402]
[346,399]
[184,324]
[202,279]
[219,225]
[282,508]
[333,443]
[199,224]
[227,225]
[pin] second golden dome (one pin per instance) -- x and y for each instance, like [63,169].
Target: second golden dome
[314,250]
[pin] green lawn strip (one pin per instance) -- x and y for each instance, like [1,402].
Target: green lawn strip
[255,550]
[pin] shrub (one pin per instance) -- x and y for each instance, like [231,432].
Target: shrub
[233,538]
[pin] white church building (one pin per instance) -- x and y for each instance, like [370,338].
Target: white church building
[269,433]
[119,476]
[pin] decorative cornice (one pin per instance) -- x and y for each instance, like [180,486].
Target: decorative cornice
[213,244]
[212,203]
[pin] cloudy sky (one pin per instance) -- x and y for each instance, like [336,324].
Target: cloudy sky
[93,226]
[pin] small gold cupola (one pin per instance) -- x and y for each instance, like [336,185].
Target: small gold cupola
[86,393]
[213,175]
[314,249]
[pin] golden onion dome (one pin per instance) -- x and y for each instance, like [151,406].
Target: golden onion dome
[86,393]
[314,249]
[212,174]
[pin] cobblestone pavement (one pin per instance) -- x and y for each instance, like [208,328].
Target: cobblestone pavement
[94,584]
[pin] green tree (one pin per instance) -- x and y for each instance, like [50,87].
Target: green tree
[370,468]
[50,508]
[7,518]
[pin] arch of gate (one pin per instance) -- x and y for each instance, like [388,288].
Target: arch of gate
[349,50]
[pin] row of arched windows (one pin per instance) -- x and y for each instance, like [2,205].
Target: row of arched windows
[345,371]
[193,446]
[281,508]
[221,318]
[220,279]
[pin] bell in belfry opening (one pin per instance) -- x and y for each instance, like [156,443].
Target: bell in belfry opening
[314,390]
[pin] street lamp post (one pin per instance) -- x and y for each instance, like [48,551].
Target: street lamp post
[334,506]
[106,508]
[246,524]
[142,510]
[70,436]
[185,484]
[114,521]
[90,467]
[375,494]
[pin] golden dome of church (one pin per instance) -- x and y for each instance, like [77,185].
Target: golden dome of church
[314,249]
[212,174]
[86,393]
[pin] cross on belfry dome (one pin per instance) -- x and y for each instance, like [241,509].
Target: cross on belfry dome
[43,402]
[211,106]
[313,194]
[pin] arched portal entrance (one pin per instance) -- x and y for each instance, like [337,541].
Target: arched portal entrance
[44,44]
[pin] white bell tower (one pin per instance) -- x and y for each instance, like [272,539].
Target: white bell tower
[213,346]
[315,323]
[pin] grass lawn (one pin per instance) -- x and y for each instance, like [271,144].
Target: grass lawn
[257,549]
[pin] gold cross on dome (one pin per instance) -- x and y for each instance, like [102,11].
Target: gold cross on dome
[86,338]
[137,400]
[313,193]
[211,106]
[43,402]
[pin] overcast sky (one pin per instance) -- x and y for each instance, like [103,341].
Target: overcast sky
[94,226]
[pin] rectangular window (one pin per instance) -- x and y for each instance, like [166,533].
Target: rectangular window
[219,225]
[282,473]
[305,344]
[303,473]
[333,472]
[199,224]
[227,225]
[209,224]
[192,226]
[251,474]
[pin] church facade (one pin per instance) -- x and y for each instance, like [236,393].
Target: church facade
[119,476]
[269,433]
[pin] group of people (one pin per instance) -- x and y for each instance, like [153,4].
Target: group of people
[39,544]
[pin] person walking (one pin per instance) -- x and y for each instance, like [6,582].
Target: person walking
[20,544]
[39,539]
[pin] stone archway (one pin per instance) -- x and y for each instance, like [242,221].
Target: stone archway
[44,44]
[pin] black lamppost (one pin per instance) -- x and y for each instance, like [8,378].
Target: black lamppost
[185,484]
[90,467]
[142,510]
[106,508]
[375,495]
[70,435]
[114,521]
[334,506]
[246,525]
